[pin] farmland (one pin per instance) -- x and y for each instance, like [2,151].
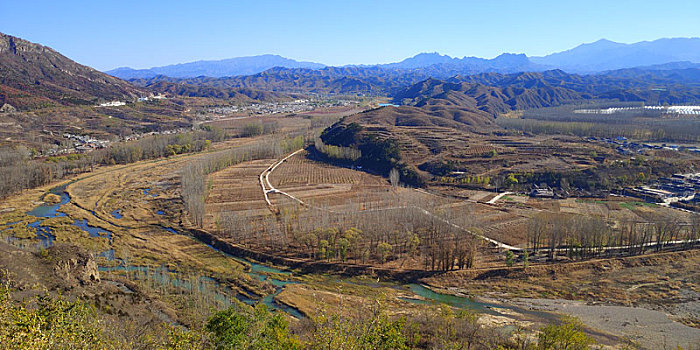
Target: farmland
[317,198]
[137,202]
[342,197]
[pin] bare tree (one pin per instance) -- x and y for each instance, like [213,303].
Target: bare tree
[394,177]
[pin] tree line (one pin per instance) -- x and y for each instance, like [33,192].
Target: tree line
[393,227]
[660,129]
[579,236]
[337,152]
[193,176]
[20,171]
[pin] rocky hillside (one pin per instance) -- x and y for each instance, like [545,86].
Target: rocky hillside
[32,75]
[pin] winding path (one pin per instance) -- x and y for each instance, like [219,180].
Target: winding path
[268,189]
[499,196]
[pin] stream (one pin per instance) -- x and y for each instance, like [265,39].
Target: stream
[424,295]
[44,211]
[260,273]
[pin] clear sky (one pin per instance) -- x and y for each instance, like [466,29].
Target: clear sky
[106,34]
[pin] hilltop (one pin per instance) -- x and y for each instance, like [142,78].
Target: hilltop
[33,75]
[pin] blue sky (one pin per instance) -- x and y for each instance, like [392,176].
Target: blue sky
[107,34]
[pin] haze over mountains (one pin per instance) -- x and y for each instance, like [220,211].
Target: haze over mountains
[605,55]
[216,68]
[594,57]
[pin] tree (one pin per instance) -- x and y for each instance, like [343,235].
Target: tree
[383,250]
[526,259]
[394,177]
[511,180]
[566,336]
[509,258]
[323,247]
[258,329]
[252,129]
[343,245]
[371,330]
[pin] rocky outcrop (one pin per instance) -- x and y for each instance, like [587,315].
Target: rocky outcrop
[74,265]
[7,108]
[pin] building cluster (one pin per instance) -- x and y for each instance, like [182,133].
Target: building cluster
[275,108]
[85,143]
[296,106]
[122,103]
[148,98]
[680,110]
[626,147]
[112,104]
[669,189]
[542,192]
[152,133]
[687,110]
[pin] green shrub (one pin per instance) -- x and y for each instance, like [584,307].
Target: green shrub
[566,336]
[261,329]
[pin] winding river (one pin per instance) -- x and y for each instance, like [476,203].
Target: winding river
[423,294]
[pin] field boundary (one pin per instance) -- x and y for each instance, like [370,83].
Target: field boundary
[599,264]
[411,276]
[309,266]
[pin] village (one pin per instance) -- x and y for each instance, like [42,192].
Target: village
[669,190]
[296,106]
[87,143]
[626,147]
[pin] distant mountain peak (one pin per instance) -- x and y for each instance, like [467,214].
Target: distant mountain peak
[513,58]
[246,65]
[604,41]
[422,59]
[598,56]
[605,54]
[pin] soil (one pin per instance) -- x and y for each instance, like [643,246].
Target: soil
[648,329]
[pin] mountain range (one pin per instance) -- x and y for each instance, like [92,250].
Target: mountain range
[219,68]
[32,75]
[446,93]
[599,56]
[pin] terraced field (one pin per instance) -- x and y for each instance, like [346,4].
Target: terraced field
[236,189]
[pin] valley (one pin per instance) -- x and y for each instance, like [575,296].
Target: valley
[456,204]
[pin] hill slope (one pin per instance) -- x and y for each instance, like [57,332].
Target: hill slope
[32,75]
